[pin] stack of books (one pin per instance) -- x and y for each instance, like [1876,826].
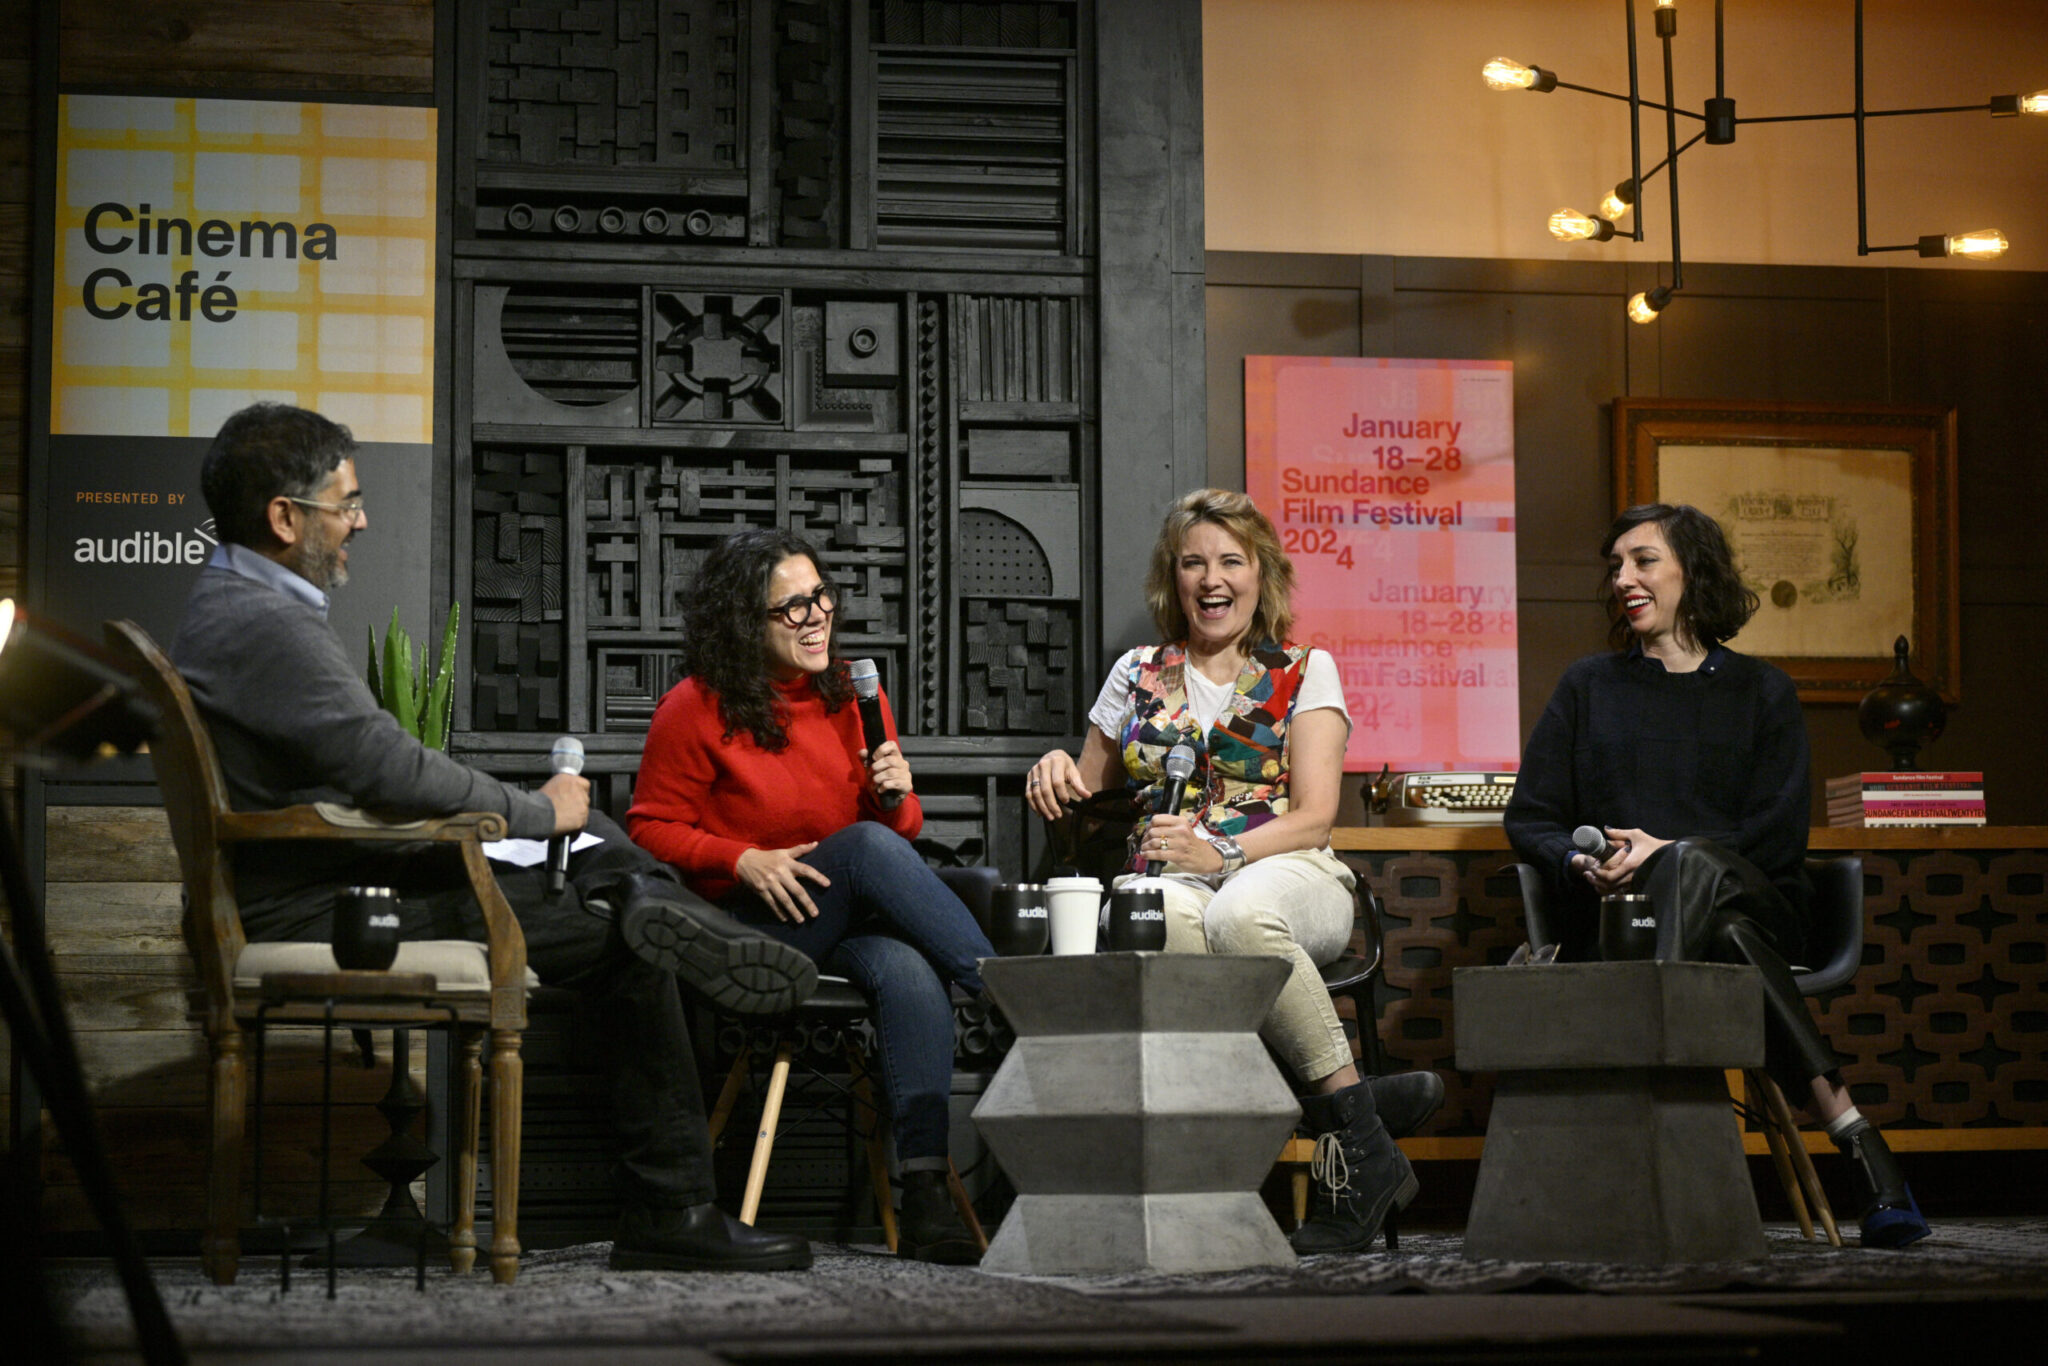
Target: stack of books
[1898,799]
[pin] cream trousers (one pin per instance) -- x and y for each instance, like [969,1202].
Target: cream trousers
[1295,906]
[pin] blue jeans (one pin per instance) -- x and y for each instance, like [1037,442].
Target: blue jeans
[889,926]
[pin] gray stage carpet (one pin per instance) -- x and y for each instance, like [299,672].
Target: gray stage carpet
[568,1295]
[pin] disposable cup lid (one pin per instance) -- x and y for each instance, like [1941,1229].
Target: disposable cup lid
[1073,884]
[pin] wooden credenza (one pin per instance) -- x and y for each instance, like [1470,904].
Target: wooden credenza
[1943,1033]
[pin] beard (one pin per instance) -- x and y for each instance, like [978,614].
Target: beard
[321,564]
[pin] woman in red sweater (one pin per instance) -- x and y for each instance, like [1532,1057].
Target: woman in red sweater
[758,787]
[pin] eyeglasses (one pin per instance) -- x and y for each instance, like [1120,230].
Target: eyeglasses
[351,508]
[797,611]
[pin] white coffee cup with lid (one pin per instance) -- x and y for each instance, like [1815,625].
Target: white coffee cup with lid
[1076,907]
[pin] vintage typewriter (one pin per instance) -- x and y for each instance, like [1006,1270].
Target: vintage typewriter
[1439,798]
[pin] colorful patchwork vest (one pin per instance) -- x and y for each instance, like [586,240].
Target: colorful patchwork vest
[1241,766]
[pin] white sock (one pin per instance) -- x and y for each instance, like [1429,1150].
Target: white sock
[1841,1123]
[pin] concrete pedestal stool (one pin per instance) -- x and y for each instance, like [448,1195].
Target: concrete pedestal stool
[1137,1113]
[1611,1138]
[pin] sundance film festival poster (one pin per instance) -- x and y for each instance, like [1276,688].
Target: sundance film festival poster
[210,253]
[1392,484]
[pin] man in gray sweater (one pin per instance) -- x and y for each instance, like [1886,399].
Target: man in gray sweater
[293,721]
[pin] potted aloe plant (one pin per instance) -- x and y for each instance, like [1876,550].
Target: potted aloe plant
[420,694]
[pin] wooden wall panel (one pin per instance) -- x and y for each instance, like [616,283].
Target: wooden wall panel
[112,909]
[385,46]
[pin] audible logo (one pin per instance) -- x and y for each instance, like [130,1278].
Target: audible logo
[146,547]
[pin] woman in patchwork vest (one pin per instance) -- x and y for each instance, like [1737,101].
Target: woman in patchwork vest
[1247,866]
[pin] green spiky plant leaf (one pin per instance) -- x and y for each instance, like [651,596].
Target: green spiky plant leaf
[401,689]
[439,713]
[419,694]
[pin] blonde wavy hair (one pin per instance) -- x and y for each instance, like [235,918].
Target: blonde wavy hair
[1238,515]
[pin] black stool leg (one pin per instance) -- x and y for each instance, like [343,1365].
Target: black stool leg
[327,1132]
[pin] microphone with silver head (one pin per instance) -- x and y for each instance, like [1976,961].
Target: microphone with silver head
[1180,766]
[565,757]
[1593,843]
[867,687]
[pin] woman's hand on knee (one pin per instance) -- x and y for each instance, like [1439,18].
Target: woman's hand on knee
[777,876]
[1053,781]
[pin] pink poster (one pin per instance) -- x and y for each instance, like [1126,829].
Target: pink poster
[1393,485]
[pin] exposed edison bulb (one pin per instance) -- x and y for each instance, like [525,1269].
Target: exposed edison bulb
[1641,310]
[2036,103]
[1505,73]
[1667,4]
[1614,208]
[1981,245]
[1569,225]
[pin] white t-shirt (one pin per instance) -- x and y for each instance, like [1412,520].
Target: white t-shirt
[1320,687]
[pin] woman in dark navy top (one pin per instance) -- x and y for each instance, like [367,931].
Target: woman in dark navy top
[1693,759]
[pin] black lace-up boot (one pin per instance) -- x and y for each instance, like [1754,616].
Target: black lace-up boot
[1359,1174]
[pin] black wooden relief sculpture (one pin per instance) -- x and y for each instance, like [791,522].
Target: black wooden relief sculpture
[828,265]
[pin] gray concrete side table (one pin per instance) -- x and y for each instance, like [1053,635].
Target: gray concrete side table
[1137,1113]
[1612,1138]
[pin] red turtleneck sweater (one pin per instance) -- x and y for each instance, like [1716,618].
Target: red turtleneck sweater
[702,800]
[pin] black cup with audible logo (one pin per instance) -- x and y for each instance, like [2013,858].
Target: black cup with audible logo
[366,929]
[1628,928]
[1137,920]
[1017,923]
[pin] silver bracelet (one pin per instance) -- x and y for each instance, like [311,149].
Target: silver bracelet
[1233,856]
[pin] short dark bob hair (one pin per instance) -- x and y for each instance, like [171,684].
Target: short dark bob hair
[725,625]
[266,451]
[1715,605]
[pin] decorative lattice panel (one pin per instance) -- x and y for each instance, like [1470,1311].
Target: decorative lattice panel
[648,525]
[974,23]
[1018,350]
[717,357]
[1017,672]
[1945,1025]
[971,152]
[517,640]
[614,83]
[809,76]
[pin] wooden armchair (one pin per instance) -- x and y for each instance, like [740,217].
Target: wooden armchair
[483,986]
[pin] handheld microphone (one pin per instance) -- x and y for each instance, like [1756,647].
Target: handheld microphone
[867,686]
[1592,843]
[1180,766]
[565,757]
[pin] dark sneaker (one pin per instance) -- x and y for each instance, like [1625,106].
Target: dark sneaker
[931,1229]
[701,1238]
[1360,1175]
[1405,1101]
[733,967]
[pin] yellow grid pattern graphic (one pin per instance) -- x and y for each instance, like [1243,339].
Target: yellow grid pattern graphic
[352,337]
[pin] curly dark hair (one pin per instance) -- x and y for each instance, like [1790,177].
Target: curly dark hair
[1716,604]
[723,621]
[266,451]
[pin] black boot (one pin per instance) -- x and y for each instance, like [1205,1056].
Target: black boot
[1888,1213]
[736,968]
[1406,1100]
[1360,1175]
[931,1229]
[701,1238]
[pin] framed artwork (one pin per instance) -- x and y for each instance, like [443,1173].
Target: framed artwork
[1842,519]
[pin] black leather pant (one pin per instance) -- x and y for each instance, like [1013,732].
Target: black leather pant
[1714,906]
